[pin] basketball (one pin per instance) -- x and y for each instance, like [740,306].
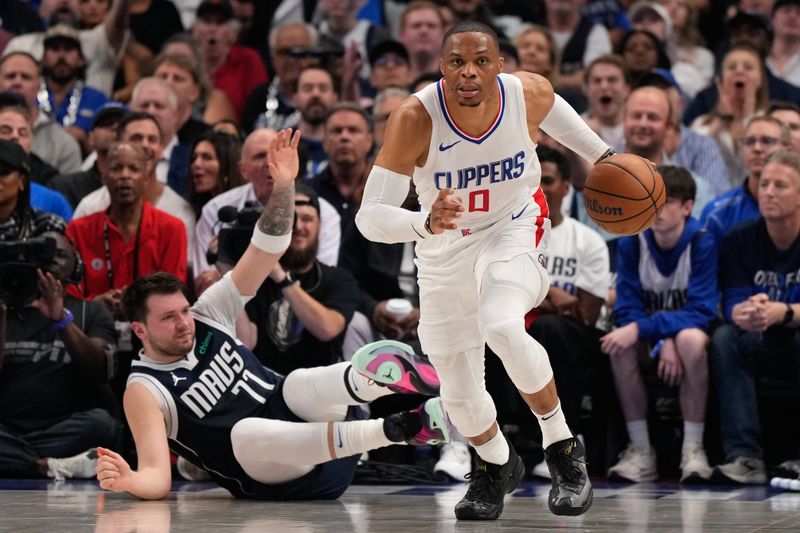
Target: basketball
[623,194]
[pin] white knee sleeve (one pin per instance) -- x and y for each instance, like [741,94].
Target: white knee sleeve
[509,290]
[524,359]
[318,394]
[463,391]
[274,451]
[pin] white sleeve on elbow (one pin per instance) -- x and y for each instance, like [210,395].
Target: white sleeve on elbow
[380,217]
[567,127]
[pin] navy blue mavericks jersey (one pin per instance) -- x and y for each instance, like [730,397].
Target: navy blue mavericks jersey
[203,395]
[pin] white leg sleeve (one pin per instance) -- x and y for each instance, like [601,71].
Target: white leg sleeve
[509,290]
[275,451]
[319,394]
[463,391]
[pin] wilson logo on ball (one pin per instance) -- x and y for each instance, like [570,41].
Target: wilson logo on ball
[601,209]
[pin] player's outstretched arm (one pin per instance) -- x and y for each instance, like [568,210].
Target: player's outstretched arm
[273,231]
[551,113]
[380,217]
[154,477]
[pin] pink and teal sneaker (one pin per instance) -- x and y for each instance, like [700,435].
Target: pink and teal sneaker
[395,365]
[427,425]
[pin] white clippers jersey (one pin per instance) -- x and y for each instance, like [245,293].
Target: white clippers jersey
[496,173]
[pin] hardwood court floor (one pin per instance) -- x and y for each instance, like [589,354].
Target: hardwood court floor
[39,506]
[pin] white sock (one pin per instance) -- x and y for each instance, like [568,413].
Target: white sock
[495,451]
[693,433]
[637,432]
[554,426]
[357,436]
[364,388]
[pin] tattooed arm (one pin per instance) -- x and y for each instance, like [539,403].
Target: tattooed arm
[278,217]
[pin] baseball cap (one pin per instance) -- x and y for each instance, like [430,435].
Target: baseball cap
[221,8]
[750,20]
[109,114]
[62,32]
[306,190]
[387,47]
[12,155]
[661,77]
[643,5]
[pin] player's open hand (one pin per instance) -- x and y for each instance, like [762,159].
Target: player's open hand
[445,211]
[113,472]
[282,156]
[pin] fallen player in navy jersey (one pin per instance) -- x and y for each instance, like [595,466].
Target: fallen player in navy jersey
[198,390]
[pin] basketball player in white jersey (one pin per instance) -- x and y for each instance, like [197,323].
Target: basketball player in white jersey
[467,142]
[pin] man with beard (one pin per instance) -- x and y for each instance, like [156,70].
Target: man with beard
[314,96]
[64,93]
[607,85]
[298,317]
[347,141]
[101,45]
[257,191]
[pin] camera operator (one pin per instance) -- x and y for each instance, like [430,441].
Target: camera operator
[257,190]
[54,367]
[298,317]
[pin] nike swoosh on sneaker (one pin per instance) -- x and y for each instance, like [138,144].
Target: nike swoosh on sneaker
[443,148]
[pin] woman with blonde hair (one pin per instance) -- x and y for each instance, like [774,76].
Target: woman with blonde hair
[743,92]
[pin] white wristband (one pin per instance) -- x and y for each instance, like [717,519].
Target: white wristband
[271,244]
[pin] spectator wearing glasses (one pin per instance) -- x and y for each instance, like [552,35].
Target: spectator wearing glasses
[763,136]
